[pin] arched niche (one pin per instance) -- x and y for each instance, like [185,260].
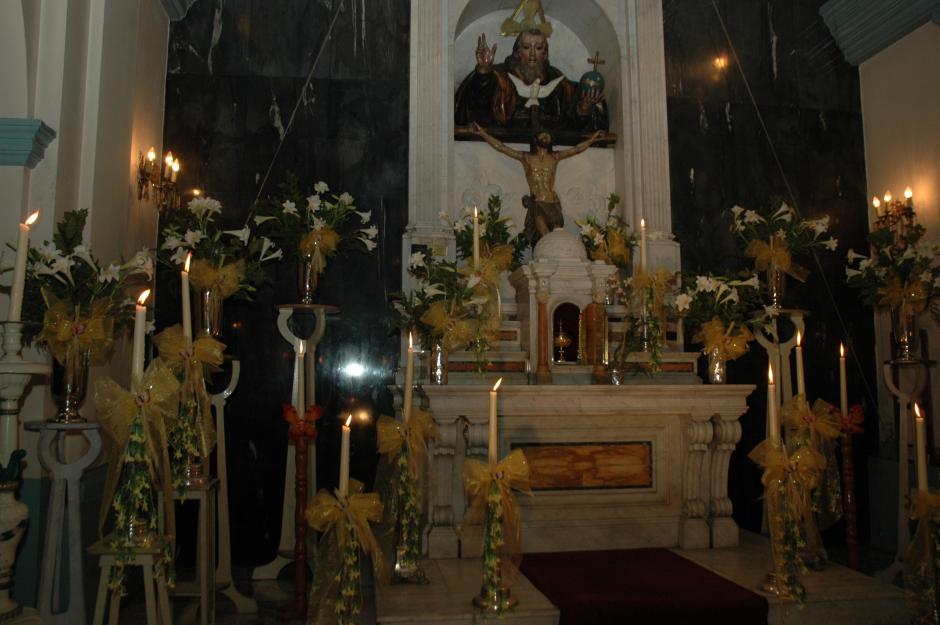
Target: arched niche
[579,30]
[567,332]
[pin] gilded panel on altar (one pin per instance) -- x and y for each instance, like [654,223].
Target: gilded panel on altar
[577,466]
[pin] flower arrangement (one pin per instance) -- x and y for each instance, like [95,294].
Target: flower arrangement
[717,309]
[772,236]
[649,297]
[495,232]
[903,271]
[79,299]
[611,241]
[316,226]
[229,261]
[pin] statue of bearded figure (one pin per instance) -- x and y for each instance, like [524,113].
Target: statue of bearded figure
[526,92]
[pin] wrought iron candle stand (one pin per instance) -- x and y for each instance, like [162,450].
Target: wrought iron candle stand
[15,375]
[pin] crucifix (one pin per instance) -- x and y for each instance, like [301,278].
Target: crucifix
[596,60]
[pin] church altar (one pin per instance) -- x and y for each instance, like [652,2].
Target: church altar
[613,466]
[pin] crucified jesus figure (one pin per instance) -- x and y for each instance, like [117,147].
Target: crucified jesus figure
[543,208]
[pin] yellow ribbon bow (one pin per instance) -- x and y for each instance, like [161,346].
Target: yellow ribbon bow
[320,243]
[512,472]
[776,255]
[154,396]
[419,429]
[820,422]
[65,329]
[617,250]
[730,344]
[455,332]
[909,297]
[655,284]
[326,512]
[226,279]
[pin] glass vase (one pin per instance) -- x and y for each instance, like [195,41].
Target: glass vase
[776,287]
[717,370]
[209,313]
[307,276]
[70,384]
[438,365]
[903,329]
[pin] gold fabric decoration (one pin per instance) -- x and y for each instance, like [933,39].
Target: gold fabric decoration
[226,279]
[512,472]
[319,243]
[155,397]
[419,429]
[910,297]
[729,343]
[454,332]
[775,254]
[65,328]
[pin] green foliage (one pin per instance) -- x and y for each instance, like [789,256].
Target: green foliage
[778,219]
[707,297]
[610,241]
[494,230]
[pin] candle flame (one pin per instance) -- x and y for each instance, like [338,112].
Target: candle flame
[642,222]
[498,382]
[143,297]
[348,420]
[176,165]
[197,192]
[799,338]
[301,347]
[32,218]
[410,342]
[475,215]
[917,414]
[908,193]
[887,197]
[189,258]
[770,374]
[875,202]
[151,154]
[169,159]
[841,350]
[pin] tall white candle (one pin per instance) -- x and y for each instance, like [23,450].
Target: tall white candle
[773,425]
[184,290]
[494,436]
[301,398]
[409,379]
[140,331]
[476,240]
[642,243]
[800,378]
[843,391]
[344,459]
[920,439]
[19,269]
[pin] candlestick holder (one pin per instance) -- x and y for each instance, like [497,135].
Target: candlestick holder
[407,568]
[15,375]
[495,597]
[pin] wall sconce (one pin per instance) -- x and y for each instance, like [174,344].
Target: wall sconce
[161,182]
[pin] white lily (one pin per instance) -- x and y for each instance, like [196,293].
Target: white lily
[364,216]
[289,207]
[321,187]
[172,242]
[260,219]
[192,237]
[110,274]
[242,235]
[346,199]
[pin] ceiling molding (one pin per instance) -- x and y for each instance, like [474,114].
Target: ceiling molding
[176,9]
[23,142]
[863,28]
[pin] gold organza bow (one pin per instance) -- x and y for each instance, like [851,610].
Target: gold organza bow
[775,254]
[512,472]
[327,513]
[419,429]
[910,297]
[155,397]
[612,250]
[924,504]
[227,279]
[820,423]
[190,358]
[319,243]
[798,474]
[656,284]
[455,332]
[65,328]
[729,343]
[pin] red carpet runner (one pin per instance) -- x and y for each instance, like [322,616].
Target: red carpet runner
[640,587]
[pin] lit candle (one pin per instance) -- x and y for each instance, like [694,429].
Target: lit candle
[409,379]
[301,377]
[877,204]
[476,240]
[184,289]
[344,460]
[887,199]
[19,269]
[140,330]
[174,170]
[494,441]
[909,196]
[843,390]
[920,439]
[773,426]
[642,243]
[800,379]
[167,164]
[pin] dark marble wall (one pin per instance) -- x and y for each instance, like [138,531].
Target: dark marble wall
[793,127]
[236,69]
